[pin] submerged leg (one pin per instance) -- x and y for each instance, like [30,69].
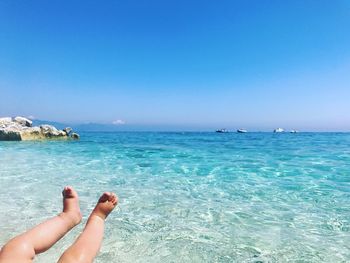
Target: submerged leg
[24,247]
[87,245]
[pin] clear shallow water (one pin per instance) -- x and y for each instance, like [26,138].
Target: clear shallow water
[190,197]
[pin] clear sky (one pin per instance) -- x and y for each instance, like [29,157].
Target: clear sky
[199,64]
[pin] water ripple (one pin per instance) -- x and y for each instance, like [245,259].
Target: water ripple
[190,197]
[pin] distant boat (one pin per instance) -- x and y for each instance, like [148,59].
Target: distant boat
[222,131]
[294,131]
[278,130]
[241,131]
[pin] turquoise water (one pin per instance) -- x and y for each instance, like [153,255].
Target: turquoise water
[190,197]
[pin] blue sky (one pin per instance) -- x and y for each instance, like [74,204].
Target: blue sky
[184,64]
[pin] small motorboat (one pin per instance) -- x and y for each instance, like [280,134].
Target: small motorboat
[278,130]
[222,131]
[241,131]
[294,131]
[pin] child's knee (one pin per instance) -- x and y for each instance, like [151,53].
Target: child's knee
[18,248]
[74,257]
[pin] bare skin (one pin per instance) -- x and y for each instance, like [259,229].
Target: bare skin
[24,247]
[87,245]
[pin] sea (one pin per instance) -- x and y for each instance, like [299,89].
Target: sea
[187,196]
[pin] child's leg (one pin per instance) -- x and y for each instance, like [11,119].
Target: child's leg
[87,245]
[40,238]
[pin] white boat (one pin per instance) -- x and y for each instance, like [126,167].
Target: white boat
[222,131]
[278,130]
[241,131]
[293,131]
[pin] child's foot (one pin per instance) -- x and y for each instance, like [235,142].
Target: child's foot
[71,205]
[107,202]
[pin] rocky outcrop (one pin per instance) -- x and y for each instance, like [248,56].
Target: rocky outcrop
[20,128]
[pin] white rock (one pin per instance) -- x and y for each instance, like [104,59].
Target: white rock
[23,121]
[68,130]
[9,135]
[75,136]
[20,128]
[5,121]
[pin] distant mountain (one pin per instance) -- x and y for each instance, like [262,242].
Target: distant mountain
[105,127]
[58,125]
[97,127]
[82,127]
